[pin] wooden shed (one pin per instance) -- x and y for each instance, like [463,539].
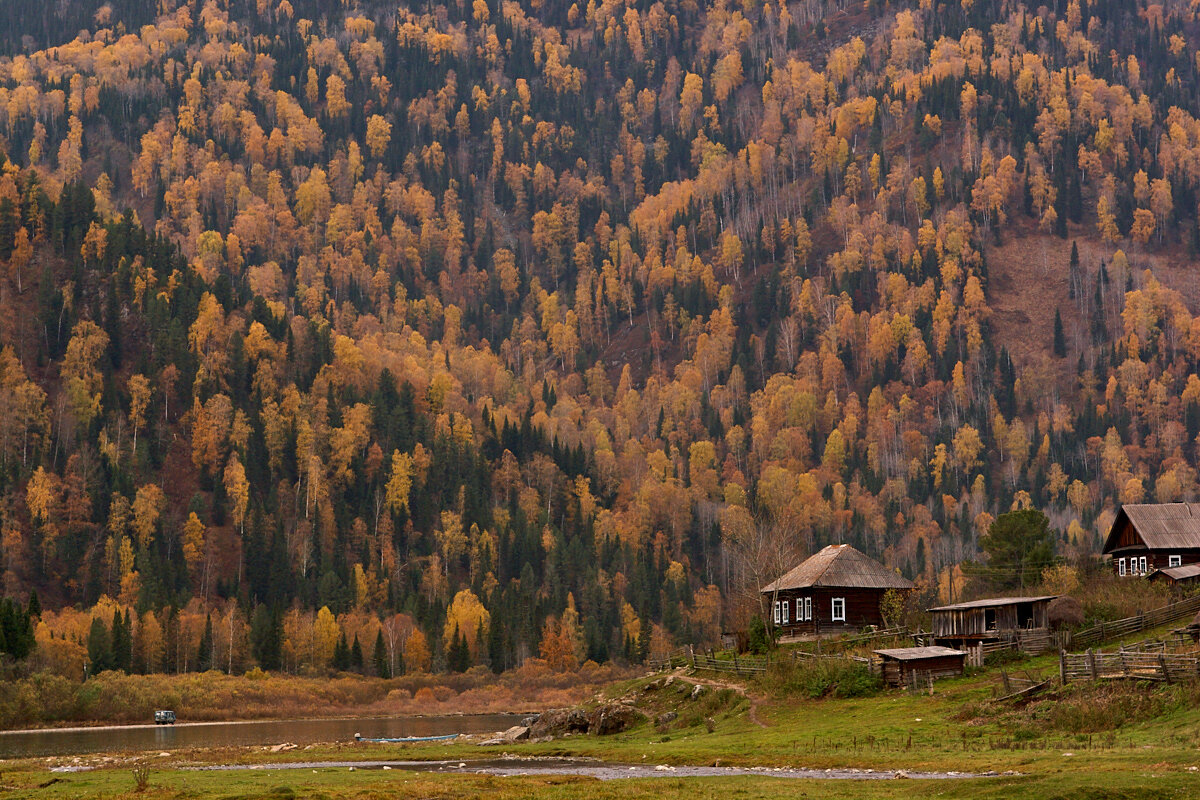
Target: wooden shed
[834,590]
[1149,536]
[1187,575]
[900,665]
[965,624]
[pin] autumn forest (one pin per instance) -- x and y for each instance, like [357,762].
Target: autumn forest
[418,337]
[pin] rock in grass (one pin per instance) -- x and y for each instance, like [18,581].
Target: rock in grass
[613,718]
[560,721]
[517,733]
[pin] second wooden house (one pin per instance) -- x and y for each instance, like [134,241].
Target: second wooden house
[1149,536]
[834,590]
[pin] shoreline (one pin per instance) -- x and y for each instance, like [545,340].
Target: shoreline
[102,725]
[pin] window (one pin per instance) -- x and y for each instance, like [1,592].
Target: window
[776,614]
[785,612]
[807,609]
[839,609]
[1142,565]
[1121,567]
[1174,561]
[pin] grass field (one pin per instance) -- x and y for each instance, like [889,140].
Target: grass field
[1122,740]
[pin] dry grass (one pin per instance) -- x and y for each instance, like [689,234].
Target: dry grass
[113,697]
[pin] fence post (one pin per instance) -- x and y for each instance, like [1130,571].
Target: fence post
[1092,664]
[1162,664]
[692,656]
[1062,667]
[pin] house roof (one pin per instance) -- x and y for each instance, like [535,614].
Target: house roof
[1184,573]
[918,653]
[993,602]
[1161,526]
[839,565]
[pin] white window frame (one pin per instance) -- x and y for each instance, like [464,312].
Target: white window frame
[837,610]
[808,609]
[1121,567]
[785,612]
[1142,565]
[775,617]
[1174,561]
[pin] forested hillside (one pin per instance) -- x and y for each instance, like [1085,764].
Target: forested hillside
[496,330]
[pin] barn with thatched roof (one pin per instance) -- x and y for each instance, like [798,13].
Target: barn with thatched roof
[1149,536]
[836,589]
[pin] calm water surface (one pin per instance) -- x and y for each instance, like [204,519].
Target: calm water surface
[79,741]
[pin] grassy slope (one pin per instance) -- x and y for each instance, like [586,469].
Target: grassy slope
[1113,751]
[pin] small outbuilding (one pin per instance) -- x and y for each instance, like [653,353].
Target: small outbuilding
[902,664]
[1187,575]
[834,590]
[993,619]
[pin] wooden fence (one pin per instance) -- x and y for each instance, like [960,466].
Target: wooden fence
[1141,665]
[687,657]
[1116,629]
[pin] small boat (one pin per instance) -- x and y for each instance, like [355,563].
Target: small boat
[403,740]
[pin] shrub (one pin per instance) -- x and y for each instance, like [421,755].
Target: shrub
[822,678]
[760,639]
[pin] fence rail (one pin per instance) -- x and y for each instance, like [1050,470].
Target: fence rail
[1141,665]
[688,657]
[1116,629]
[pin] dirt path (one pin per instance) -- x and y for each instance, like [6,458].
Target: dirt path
[752,714]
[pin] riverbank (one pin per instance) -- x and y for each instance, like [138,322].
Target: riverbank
[49,701]
[1118,740]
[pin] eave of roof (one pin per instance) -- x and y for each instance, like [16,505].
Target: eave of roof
[994,602]
[838,566]
[1160,526]
[918,653]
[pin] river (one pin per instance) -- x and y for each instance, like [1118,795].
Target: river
[120,738]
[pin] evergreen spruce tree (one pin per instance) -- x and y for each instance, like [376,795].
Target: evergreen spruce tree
[99,648]
[356,655]
[341,654]
[1060,339]
[379,657]
[204,658]
[35,605]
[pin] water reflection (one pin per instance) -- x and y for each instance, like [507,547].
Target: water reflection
[78,741]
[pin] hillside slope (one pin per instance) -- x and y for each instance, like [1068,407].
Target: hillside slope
[505,330]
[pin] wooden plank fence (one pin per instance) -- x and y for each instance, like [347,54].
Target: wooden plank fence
[1117,629]
[1140,665]
[687,657]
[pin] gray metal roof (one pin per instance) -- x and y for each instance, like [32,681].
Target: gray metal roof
[1186,572]
[918,653]
[1160,526]
[993,602]
[839,565]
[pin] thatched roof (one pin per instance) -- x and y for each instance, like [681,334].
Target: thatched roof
[995,602]
[918,653]
[1160,526]
[839,565]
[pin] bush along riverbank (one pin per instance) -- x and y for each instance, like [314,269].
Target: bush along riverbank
[47,700]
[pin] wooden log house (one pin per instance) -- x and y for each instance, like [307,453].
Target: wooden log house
[835,590]
[1149,536]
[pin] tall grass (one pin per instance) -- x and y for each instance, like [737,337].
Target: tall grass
[817,678]
[48,699]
